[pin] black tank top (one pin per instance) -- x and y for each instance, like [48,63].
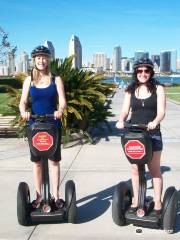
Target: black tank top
[143,110]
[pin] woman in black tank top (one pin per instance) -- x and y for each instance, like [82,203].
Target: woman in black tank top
[145,99]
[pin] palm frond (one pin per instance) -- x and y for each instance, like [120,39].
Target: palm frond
[71,109]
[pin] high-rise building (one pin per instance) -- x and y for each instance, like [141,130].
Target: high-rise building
[11,63]
[50,46]
[156,59]
[178,64]
[126,64]
[23,64]
[168,60]
[75,49]
[140,54]
[165,61]
[116,59]
[173,60]
[99,61]
[108,64]
[4,70]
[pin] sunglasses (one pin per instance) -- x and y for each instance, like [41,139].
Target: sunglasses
[141,71]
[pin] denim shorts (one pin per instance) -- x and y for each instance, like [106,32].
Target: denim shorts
[156,138]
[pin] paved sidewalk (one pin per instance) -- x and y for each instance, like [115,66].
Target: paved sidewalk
[96,169]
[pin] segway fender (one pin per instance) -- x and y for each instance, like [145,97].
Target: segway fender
[70,198]
[167,196]
[23,200]
[119,206]
[169,214]
[70,190]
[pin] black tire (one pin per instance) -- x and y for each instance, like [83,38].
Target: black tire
[121,201]
[169,211]
[23,203]
[70,198]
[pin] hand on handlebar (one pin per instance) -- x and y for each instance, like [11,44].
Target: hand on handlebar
[151,125]
[25,115]
[120,124]
[58,114]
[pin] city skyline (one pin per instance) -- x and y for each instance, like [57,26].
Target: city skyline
[166,62]
[100,25]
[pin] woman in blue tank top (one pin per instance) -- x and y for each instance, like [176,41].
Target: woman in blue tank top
[47,97]
[145,98]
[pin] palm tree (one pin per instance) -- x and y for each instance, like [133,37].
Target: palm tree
[87,94]
[87,97]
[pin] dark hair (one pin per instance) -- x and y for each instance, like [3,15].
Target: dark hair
[151,84]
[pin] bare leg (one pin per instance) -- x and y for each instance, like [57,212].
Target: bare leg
[54,168]
[37,170]
[135,184]
[154,168]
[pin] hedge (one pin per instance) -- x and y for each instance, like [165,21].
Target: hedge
[13,82]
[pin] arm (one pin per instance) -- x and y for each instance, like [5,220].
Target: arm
[24,98]
[125,110]
[161,107]
[61,98]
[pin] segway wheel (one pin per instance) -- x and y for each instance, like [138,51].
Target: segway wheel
[121,201]
[70,198]
[23,203]
[169,210]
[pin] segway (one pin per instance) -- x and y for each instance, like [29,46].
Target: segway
[137,147]
[43,138]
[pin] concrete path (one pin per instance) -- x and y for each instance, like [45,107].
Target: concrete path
[96,169]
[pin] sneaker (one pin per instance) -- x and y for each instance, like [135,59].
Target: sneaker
[52,200]
[133,209]
[59,203]
[36,203]
[156,213]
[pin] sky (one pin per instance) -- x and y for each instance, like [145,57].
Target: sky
[101,25]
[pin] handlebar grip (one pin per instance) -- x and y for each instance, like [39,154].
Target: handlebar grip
[137,126]
[45,116]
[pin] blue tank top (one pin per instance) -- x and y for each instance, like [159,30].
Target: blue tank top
[44,101]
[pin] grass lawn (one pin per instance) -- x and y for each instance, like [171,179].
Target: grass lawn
[173,93]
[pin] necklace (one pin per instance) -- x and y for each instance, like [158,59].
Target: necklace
[142,102]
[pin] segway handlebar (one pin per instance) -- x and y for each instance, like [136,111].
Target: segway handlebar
[135,126]
[45,116]
[127,125]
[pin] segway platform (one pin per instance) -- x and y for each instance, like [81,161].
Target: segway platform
[145,221]
[55,216]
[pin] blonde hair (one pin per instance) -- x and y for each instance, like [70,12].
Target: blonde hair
[35,73]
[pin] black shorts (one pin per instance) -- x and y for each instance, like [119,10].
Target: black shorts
[156,138]
[56,157]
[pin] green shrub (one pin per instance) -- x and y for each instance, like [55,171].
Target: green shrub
[13,82]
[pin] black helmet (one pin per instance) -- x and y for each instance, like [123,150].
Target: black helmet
[143,62]
[40,50]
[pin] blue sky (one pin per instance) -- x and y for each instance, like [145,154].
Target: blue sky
[101,25]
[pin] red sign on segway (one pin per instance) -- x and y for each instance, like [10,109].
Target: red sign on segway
[42,141]
[134,149]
